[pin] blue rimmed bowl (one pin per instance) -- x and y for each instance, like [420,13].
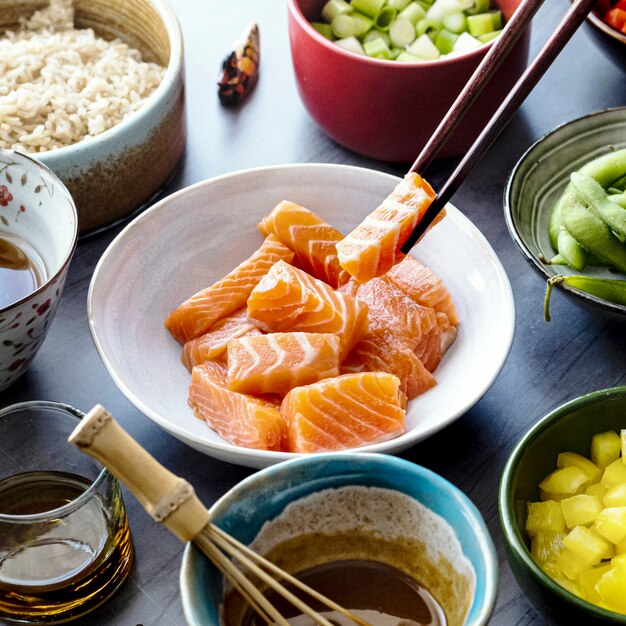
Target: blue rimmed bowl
[264,495]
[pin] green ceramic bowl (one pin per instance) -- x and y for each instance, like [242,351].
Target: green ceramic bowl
[569,427]
[537,181]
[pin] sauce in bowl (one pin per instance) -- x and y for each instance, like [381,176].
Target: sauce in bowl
[21,270]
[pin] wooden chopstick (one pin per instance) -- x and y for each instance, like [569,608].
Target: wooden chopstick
[501,47]
[557,41]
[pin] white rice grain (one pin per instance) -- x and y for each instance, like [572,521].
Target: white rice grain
[59,84]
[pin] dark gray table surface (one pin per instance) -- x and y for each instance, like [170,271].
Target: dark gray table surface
[548,364]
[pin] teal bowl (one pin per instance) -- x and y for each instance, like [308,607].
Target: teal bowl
[539,178]
[570,427]
[264,495]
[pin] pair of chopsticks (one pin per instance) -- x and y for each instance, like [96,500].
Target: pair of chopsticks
[501,47]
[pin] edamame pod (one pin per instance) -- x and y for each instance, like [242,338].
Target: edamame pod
[573,253]
[591,194]
[607,170]
[592,233]
[608,289]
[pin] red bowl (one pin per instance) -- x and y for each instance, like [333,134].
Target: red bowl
[388,110]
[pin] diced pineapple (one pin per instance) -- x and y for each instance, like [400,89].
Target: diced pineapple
[571,564]
[580,510]
[572,459]
[567,481]
[598,490]
[611,588]
[544,516]
[619,561]
[615,496]
[557,576]
[587,580]
[620,548]
[614,474]
[587,545]
[605,448]
[623,438]
[611,524]
[546,546]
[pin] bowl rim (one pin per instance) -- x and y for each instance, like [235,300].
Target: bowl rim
[597,22]
[515,234]
[70,251]
[369,462]
[295,11]
[174,67]
[271,456]
[510,529]
[84,497]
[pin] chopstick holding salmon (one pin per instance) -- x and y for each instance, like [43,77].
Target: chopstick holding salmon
[374,246]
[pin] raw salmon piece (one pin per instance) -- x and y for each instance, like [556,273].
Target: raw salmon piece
[344,412]
[424,286]
[429,349]
[212,345]
[382,351]
[289,299]
[278,362]
[391,309]
[240,419]
[373,247]
[196,315]
[310,237]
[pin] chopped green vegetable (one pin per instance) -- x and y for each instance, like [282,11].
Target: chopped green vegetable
[385,17]
[413,12]
[445,41]
[377,48]
[343,26]
[487,37]
[323,29]
[369,7]
[333,8]
[424,48]
[455,22]
[405,57]
[402,33]
[352,44]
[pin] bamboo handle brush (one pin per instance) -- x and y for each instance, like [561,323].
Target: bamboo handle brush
[172,501]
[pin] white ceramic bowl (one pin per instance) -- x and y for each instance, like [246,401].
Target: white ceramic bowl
[37,211]
[195,236]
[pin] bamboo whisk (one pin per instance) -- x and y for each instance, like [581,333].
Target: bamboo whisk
[172,501]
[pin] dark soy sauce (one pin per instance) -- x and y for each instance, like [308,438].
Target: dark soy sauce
[377,592]
[21,270]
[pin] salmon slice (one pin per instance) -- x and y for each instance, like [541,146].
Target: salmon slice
[429,349]
[391,309]
[196,315]
[212,345]
[424,286]
[240,419]
[373,247]
[382,351]
[278,362]
[288,299]
[310,237]
[344,412]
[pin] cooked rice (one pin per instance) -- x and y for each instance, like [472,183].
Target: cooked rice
[59,84]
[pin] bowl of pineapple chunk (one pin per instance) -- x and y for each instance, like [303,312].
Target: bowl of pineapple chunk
[562,507]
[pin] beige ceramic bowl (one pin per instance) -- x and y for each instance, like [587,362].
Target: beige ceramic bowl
[114,173]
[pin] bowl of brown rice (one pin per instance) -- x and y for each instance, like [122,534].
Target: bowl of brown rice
[94,90]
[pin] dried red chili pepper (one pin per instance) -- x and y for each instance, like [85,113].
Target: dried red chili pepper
[240,69]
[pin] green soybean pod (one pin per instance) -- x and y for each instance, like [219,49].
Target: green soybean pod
[608,289]
[592,233]
[573,253]
[591,194]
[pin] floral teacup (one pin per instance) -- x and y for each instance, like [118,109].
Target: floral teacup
[37,209]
